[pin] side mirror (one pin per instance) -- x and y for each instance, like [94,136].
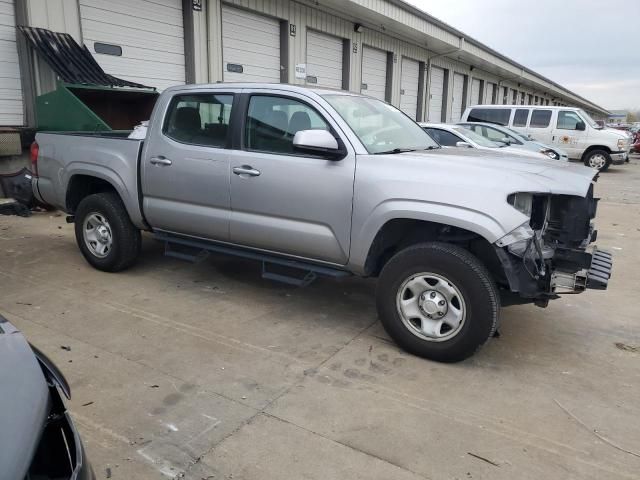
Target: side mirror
[463,145]
[506,140]
[581,126]
[317,142]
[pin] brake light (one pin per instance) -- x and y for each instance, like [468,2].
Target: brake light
[35,149]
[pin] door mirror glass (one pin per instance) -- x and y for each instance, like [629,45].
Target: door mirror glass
[463,145]
[506,140]
[581,126]
[318,142]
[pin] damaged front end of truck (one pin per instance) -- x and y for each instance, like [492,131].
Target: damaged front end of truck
[554,252]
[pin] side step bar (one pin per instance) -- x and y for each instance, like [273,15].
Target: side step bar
[198,250]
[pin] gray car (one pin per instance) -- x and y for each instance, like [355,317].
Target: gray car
[498,133]
[333,183]
[37,435]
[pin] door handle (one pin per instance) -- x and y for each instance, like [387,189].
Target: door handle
[246,170]
[160,160]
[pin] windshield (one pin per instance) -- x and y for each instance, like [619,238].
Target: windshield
[477,138]
[585,116]
[380,127]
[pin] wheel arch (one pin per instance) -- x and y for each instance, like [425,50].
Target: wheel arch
[591,148]
[399,233]
[83,182]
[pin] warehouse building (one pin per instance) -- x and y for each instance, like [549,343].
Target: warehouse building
[383,48]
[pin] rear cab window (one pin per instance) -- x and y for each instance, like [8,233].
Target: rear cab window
[199,119]
[540,118]
[500,116]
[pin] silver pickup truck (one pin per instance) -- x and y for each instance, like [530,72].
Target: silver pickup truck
[333,183]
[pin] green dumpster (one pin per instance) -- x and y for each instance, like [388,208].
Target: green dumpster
[93,108]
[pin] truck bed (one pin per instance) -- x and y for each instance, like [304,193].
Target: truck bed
[110,156]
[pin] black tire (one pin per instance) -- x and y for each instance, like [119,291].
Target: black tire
[588,156]
[470,277]
[126,238]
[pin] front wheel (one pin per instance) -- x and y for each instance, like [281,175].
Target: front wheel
[106,237]
[438,301]
[598,159]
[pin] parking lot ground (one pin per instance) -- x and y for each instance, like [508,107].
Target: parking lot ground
[205,371]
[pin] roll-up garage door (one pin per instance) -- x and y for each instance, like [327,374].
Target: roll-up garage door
[11,113]
[374,72]
[250,47]
[457,101]
[488,99]
[324,60]
[436,94]
[409,86]
[145,39]
[475,92]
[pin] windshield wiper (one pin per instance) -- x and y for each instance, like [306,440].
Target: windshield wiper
[396,150]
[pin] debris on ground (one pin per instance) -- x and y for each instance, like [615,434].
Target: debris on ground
[627,348]
[9,206]
[490,462]
[65,347]
[87,404]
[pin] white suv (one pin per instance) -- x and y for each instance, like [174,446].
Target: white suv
[571,129]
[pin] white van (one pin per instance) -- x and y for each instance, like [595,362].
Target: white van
[571,129]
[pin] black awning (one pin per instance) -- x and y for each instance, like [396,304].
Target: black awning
[71,62]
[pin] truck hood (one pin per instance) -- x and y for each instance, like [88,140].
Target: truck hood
[24,402]
[518,173]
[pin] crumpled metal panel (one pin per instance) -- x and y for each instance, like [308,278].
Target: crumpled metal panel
[71,62]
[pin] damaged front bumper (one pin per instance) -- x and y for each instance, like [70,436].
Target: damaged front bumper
[596,277]
[554,253]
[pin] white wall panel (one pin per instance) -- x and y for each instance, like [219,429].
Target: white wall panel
[150,33]
[409,87]
[324,59]
[436,94]
[252,41]
[11,102]
[374,72]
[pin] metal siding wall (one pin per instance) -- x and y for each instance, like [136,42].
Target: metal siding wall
[11,101]
[200,43]
[304,13]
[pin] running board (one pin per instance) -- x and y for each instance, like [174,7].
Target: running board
[198,250]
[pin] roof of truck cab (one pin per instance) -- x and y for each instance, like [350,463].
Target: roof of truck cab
[285,87]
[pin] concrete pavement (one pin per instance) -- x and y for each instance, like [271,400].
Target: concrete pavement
[207,371]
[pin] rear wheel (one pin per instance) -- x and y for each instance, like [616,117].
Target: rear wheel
[106,237]
[438,301]
[599,159]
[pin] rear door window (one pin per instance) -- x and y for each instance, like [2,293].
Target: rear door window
[199,119]
[490,115]
[540,118]
[520,118]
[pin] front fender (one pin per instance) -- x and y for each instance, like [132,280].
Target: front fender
[475,221]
